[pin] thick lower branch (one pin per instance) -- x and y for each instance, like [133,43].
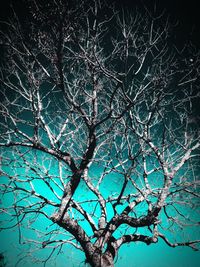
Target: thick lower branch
[115,244]
[76,230]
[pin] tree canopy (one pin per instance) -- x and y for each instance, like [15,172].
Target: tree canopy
[99,131]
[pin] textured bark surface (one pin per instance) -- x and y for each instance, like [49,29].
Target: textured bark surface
[99,260]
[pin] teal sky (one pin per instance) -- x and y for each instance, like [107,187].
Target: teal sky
[134,255]
[131,255]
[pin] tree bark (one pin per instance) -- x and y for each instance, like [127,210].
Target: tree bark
[101,260]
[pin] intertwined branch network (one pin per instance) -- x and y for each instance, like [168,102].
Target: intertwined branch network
[99,137]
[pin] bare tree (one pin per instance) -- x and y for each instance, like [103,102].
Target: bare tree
[99,142]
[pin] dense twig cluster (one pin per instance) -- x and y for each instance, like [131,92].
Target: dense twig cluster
[97,129]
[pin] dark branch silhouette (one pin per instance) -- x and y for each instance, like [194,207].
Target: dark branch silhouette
[98,129]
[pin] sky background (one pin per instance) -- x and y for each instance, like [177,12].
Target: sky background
[135,255]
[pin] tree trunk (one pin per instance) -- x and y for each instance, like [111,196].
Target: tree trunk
[101,260]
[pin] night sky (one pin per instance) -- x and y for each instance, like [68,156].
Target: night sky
[185,12]
[188,29]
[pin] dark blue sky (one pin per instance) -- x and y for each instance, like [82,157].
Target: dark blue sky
[186,12]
